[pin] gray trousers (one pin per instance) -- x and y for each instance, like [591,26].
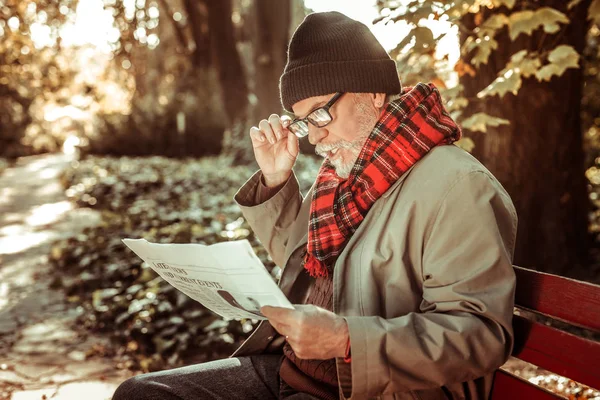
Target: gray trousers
[255,377]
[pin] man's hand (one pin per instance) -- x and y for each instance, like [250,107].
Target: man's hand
[313,332]
[275,148]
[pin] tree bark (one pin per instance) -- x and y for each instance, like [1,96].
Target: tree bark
[227,59]
[539,157]
[272,23]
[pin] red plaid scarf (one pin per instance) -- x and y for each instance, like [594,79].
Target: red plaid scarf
[406,130]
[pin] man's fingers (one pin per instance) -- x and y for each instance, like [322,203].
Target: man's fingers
[256,135]
[293,146]
[285,120]
[278,314]
[271,130]
[267,130]
[276,126]
[283,329]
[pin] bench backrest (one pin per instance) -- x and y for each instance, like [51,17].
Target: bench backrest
[568,300]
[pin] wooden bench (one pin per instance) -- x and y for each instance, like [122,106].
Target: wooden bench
[567,300]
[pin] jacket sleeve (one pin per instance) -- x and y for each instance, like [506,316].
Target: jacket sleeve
[463,329]
[269,214]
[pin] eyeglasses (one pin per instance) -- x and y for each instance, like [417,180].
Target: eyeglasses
[319,117]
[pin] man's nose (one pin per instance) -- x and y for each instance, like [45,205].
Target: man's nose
[315,135]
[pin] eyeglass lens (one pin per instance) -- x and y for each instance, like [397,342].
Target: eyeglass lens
[319,118]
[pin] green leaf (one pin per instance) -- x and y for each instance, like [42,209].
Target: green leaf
[594,11]
[484,48]
[509,81]
[508,3]
[479,122]
[466,144]
[423,38]
[547,72]
[525,66]
[521,22]
[551,17]
[564,54]
[456,115]
[423,41]
[456,104]
[518,57]
[495,22]
[561,58]
[460,102]
[527,21]
[453,91]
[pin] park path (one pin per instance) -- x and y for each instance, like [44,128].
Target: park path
[41,355]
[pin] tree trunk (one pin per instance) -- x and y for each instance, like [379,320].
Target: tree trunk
[227,59]
[266,25]
[539,157]
[272,23]
[216,47]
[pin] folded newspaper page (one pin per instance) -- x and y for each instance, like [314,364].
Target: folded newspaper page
[227,278]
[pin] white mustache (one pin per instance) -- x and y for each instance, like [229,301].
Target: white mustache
[323,149]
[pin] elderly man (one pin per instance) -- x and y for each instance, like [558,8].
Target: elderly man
[399,258]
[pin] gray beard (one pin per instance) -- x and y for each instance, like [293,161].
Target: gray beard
[367,118]
[343,169]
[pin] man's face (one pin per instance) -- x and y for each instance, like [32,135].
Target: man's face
[354,116]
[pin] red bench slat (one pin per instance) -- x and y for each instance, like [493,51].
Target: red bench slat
[557,351]
[565,299]
[508,386]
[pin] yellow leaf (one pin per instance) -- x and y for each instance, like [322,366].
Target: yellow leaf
[564,54]
[463,68]
[466,144]
[440,84]
[550,17]
[528,67]
[423,38]
[478,19]
[547,72]
[484,48]
[521,22]
[479,122]
[458,103]
[495,22]
[461,102]
[510,81]
[508,3]
[573,3]
[525,66]
[594,11]
[518,56]
[527,21]
[453,91]
[561,58]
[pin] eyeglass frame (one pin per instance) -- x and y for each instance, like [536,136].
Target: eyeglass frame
[324,107]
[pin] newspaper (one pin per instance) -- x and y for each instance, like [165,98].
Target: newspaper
[227,278]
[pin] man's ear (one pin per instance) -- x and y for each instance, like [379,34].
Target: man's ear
[378,99]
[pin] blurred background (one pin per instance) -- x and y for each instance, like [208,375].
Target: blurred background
[130,118]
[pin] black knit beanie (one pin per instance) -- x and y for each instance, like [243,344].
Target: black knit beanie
[330,52]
